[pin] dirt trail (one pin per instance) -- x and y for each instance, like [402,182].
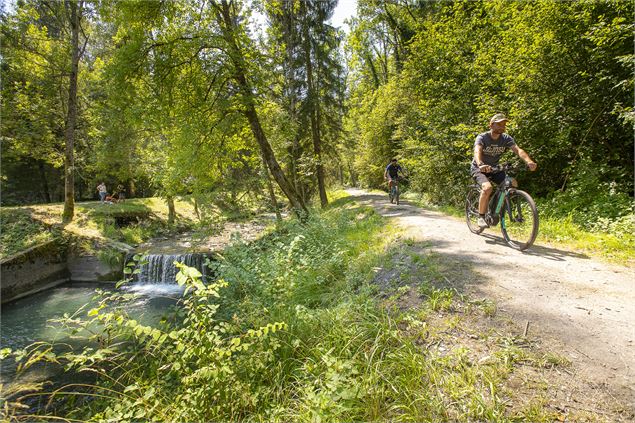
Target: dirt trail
[585,306]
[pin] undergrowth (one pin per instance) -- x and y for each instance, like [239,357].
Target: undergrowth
[19,232]
[293,328]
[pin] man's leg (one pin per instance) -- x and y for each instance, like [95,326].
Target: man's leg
[486,191]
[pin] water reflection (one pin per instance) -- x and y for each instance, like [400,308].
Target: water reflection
[30,319]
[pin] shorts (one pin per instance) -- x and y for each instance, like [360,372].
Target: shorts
[393,178]
[481,178]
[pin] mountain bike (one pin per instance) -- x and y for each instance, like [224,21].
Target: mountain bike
[393,194]
[514,208]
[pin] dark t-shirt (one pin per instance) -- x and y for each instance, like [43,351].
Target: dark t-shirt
[492,149]
[393,170]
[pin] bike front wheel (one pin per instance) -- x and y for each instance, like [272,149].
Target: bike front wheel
[519,220]
[471,210]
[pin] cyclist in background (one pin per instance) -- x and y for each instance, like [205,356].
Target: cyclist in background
[488,149]
[392,173]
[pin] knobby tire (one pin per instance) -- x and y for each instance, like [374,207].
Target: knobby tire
[519,220]
[471,210]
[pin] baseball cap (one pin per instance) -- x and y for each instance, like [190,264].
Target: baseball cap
[498,117]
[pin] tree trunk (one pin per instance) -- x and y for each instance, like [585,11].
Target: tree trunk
[272,194]
[229,27]
[45,185]
[171,210]
[71,117]
[196,210]
[290,35]
[315,115]
[132,190]
[317,150]
[353,175]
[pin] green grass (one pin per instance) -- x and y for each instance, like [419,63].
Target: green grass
[614,247]
[27,226]
[20,232]
[298,327]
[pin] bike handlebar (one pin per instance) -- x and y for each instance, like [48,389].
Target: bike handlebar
[506,167]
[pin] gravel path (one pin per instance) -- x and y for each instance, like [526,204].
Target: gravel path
[585,306]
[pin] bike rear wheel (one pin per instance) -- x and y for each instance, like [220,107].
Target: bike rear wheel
[471,209]
[519,220]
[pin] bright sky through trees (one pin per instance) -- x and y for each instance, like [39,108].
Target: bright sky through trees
[344,10]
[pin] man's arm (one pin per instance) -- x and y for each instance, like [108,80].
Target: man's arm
[523,155]
[478,158]
[386,173]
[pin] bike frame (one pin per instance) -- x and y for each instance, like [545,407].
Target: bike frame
[393,189]
[502,204]
[502,192]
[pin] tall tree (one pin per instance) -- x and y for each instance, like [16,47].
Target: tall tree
[74,9]
[194,95]
[235,38]
[313,86]
[41,78]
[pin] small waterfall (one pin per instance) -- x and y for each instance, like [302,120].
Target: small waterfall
[160,268]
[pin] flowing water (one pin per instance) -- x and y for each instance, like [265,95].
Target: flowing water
[32,318]
[160,268]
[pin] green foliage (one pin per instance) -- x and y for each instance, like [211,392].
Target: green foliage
[593,214]
[562,71]
[33,84]
[156,110]
[20,231]
[375,126]
[111,257]
[36,66]
[592,201]
[292,330]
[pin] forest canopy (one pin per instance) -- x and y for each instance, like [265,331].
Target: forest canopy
[222,99]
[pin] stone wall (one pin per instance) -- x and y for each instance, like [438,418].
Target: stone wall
[37,268]
[91,269]
[53,263]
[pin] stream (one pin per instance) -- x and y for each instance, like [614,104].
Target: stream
[32,318]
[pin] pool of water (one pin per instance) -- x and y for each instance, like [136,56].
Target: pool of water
[29,319]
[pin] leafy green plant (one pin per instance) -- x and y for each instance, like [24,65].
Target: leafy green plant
[111,257]
[222,353]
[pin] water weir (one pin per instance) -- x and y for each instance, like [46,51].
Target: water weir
[160,268]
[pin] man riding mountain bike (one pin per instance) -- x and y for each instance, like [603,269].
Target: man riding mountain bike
[391,174]
[488,149]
